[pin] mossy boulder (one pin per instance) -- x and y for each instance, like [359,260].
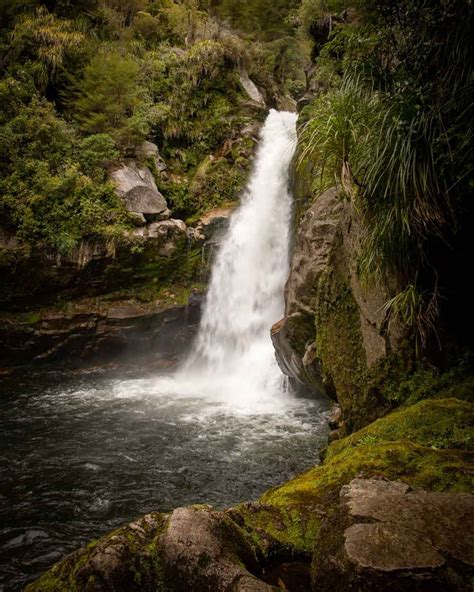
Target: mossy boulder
[126,559]
[385,538]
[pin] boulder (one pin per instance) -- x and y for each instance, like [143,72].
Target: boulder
[209,232]
[167,235]
[203,550]
[386,538]
[295,354]
[147,150]
[137,187]
[251,89]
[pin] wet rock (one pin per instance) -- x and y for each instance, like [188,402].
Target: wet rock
[293,335]
[209,231]
[212,225]
[29,537]
[295,351]
[137,187]
[156,251]
[92,331]
[385,537]
[335,331]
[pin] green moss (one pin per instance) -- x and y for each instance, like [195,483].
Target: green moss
[340,349]
[463,389]
[139,548]
[403,379]
[428,468]
[215,182]
[141,262]
[428,445]
[434,423]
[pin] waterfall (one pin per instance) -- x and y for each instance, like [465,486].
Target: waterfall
[233,353]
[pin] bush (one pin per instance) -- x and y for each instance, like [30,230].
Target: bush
[52,189]
[110,100]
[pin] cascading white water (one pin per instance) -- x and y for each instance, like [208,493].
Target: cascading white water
[233,353]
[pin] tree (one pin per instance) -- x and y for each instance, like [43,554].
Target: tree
[110,99]
[44,40]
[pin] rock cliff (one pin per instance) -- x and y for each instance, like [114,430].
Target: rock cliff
[336,336]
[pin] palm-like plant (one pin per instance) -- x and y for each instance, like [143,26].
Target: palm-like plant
[45,39]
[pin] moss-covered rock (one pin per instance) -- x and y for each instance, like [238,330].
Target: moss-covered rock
[343,333]
[428,445]
[126,559]
[385,538]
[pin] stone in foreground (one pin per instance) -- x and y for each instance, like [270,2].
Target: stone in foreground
[194,548]
[386,538]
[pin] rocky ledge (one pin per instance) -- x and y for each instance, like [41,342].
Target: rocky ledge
[97,330]
[109,299]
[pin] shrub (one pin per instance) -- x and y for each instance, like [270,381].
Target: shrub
[52,189]
[110,100]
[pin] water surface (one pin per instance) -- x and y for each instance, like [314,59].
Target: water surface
[85,453]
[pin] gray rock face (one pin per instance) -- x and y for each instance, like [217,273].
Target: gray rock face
[138,189]
[328,306]
[385,537]
[294,335]
[93,328]
[251,89]
[293,340]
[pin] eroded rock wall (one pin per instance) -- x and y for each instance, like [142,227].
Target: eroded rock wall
[139,296]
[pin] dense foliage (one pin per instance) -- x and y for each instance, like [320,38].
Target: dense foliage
[393,126]
[84,83]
